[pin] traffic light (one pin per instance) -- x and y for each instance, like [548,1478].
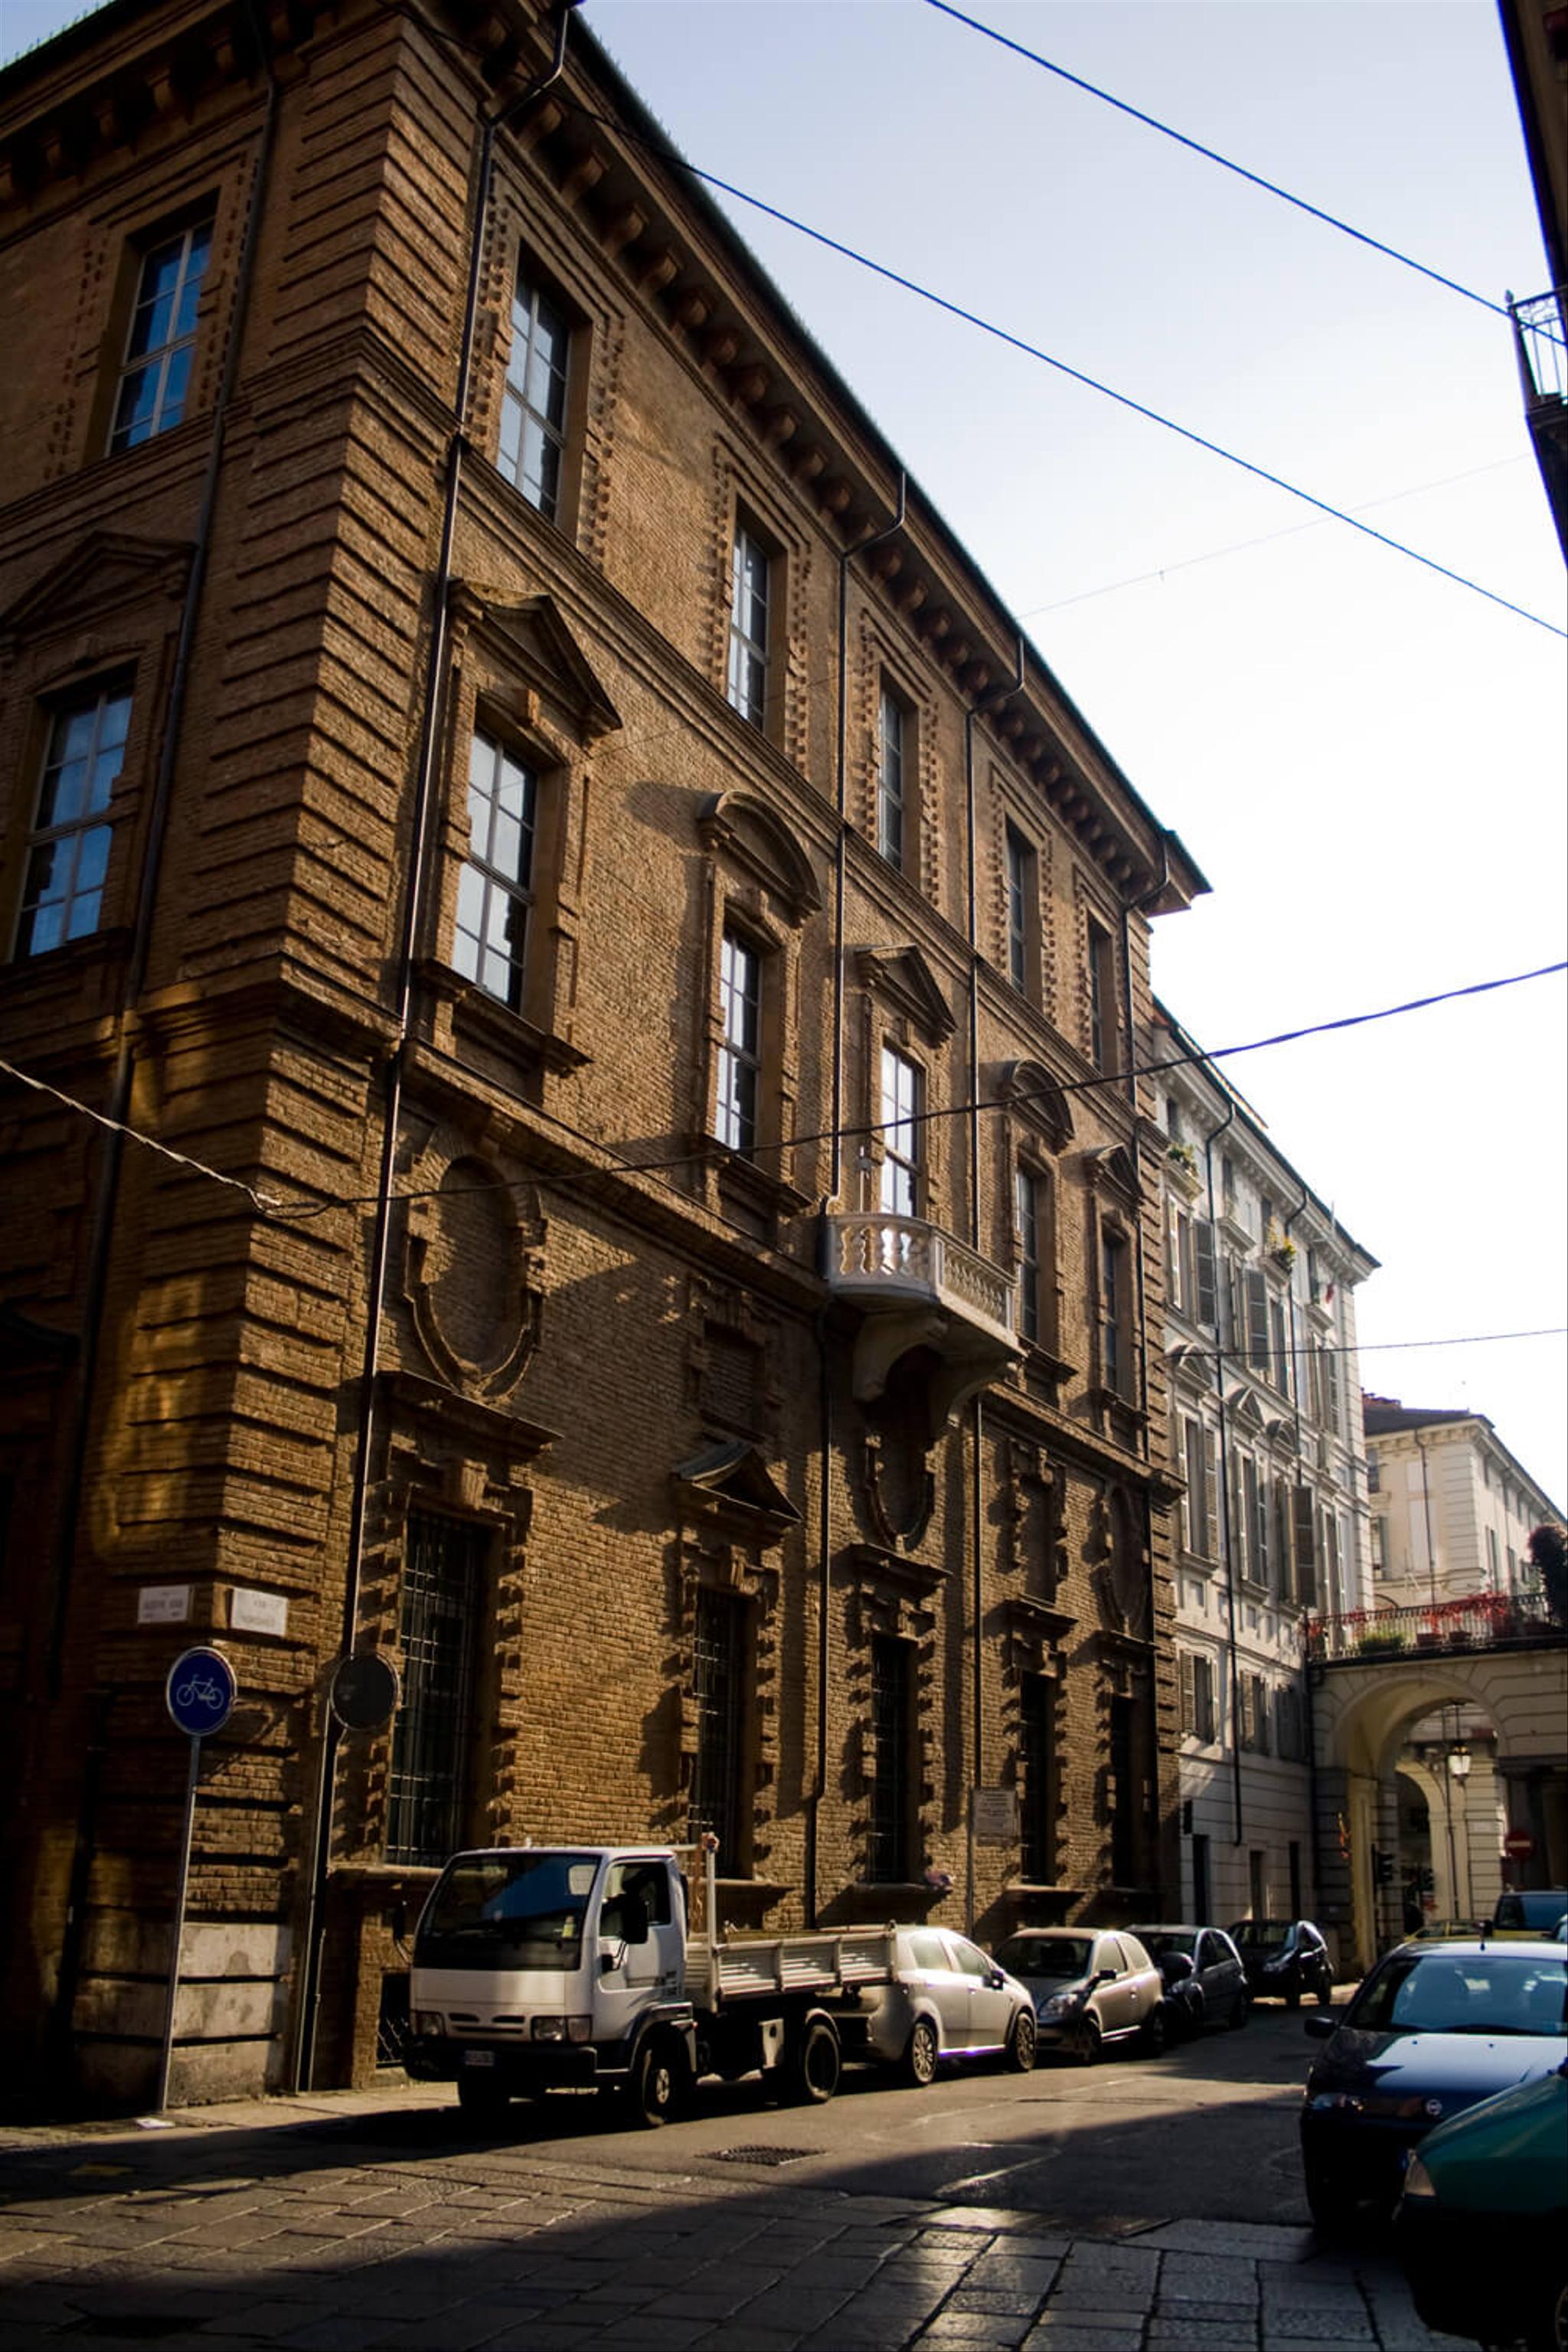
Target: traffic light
[1425,1882]
[1381,1868]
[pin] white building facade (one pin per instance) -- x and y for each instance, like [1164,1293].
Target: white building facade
[1266,1433]
[1452,1511]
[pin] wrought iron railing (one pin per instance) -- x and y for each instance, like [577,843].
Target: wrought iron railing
[1474,1620]
[869,1251]
[1540,333]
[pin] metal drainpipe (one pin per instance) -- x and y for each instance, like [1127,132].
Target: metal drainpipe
[1239,1832]
[412,908]
[1427,1518]
[1309,1727]
[96,1286]
[988,702]
[824,1377]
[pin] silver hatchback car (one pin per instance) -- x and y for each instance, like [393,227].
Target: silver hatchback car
[947,2000]
[1090,1987]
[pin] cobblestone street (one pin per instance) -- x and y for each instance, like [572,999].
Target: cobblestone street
[354,2222]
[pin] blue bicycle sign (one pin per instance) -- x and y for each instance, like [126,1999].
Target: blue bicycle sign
[200,1692]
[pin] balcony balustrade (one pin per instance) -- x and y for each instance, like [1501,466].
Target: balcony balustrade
[918,1287]
[1474,1620]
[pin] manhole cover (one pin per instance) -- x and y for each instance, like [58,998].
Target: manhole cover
[762,2155]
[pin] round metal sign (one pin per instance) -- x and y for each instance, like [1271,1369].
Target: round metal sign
[200,1692]
[1519,1846]
[366,1692]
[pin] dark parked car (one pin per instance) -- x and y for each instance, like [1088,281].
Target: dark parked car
[1534,1910]
[1203,1973]
[1482,2227]
[1286,1957]
[1434,2030]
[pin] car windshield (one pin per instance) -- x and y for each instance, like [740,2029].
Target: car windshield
[508,1911]
[1045,1956]
[1448,1992]
[1159,1942]
[1264,1935]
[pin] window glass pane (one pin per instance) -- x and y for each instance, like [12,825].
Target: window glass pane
[162,338]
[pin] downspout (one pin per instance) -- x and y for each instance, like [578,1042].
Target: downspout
[1426,1516]
[1140,906]
[96,1286]
[1309,1727]
[824,1375]
[988,702]
[504,118]
[1227,1533]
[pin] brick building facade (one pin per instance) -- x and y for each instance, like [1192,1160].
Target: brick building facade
[638,966]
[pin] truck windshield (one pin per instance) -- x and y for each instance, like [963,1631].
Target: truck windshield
[508,1911]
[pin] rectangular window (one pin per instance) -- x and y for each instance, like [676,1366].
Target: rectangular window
[1374,1472]
[494,889]
[750,585]
[533,400]
[67,855]
[889,1843]
[428,1786]
[1279,1347]
[1256,1293]
[1195,1502]
[1205,1714]
[1206,1301]
[155,376]
[893,732]
[740,1053]
[1021,896]
[1122,1795]
[1037,1754]
[1026,1194]
[718,1679]
[1491,1559]
[899,1119]
[1257,1884]
[1377,1531]
[1202,1904]
[1115,1315]
[1101,999]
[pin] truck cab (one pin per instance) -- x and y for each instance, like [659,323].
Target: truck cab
[539,1967]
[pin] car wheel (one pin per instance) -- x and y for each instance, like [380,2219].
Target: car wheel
[658,2081]
[1239,2012]
[482,2099]
[1325,1992]
[921,2056]
[1293,1998]
[814,2067]
[1083,2044]
[1021,2043]
[1152,2034]
[1552,2334]
[1333,2208]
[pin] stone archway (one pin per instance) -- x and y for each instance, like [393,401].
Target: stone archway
[1365,1712]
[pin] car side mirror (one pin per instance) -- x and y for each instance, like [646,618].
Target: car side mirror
[1105,1976]
[1319,2027]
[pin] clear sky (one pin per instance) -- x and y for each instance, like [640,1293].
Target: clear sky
[1367,759]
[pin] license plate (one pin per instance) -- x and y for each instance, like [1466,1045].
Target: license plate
[479,2057]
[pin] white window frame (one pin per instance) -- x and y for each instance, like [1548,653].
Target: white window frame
[167,361]
[740,1084]
[752,562]
[535,396]
[899,1094]
[496,880]
[79,840]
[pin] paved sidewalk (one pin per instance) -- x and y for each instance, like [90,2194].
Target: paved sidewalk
[310,2226]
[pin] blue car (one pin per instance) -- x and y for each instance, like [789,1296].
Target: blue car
[1434,2030]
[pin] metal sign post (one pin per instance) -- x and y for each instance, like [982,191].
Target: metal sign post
[200,1695]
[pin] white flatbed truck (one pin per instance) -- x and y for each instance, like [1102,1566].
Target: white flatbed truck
[559,1967]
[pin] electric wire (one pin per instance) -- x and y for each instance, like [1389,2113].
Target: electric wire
[304,1208]
[1187,433]
[1225,163]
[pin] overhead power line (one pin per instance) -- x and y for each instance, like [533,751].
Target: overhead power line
[300,1209]
[1225,163]
[1062,367]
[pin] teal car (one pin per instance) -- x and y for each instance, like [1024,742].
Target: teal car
[1482,2225]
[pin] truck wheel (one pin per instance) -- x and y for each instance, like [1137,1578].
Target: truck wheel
[810,2074]
[657,2083]
[1021,2043]
[919,2057]
[482,2099]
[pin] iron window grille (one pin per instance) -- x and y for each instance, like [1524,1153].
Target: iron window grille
[67,857]
[160,345]
[1037,1754]
[888,1843]
[534,399]
[494,889]
[718,1671]
[432,1745]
